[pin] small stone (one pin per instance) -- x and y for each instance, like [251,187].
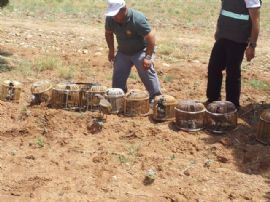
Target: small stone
[222,159]
[29,36]
[196,61]
[98,54]
[31,157]
[85,51]
[166,65]
[187,173]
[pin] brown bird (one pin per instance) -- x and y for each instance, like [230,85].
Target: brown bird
[105,106]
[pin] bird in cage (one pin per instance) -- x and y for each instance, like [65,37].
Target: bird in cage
[11,91]
[105,107]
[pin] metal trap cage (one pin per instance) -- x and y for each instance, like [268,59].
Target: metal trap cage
[221,117]
[66,96]
[41,92]
[164,108]
[136,103]
[189,115]
[91,97]
[11,90]
[263,130]
[84,88]
[116,97]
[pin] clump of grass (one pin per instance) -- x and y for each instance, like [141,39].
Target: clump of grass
[133,150]
[168,78]
[166,48]
[66,72]
[258,84]
[40,142]
[131,156]
[133,76]
[109,77]
[24,68]
[24,113]
[172,157]
[54,63]
[122,159]
[46,63]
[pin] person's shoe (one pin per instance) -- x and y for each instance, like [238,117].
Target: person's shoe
[207,102]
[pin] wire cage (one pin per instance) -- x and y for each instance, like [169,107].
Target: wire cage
[92,97]
[189,115]
[221,117]
[41,92]
[116,97]
[164,108]
[66,96]
[263,130]
[84,88]
[11,90]
[136,103]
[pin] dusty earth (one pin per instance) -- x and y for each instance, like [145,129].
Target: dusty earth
[49,155]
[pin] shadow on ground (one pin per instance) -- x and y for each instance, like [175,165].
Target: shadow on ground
[249,155]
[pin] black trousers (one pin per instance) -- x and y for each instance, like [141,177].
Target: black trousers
[226,55]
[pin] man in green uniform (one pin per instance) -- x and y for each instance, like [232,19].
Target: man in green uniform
[136,42]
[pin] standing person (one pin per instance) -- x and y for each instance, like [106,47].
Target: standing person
[236,34]
[136,43]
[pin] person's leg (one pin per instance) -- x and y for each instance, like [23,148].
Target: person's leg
[215,67]
[121,71]
[235,53]
[149,77]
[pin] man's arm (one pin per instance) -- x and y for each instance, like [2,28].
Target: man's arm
[255,21]
[151,41]
[110,42]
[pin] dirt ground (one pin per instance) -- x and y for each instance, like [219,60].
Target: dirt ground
[49,155]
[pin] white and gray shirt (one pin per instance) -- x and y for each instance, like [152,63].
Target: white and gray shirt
[253,3]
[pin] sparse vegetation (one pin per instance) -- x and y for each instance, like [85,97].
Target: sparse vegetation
[24,68]
[44,63]
[66,72]
[47,63]
[24,113]
[168,78]
[258,84]
[40,142]
[133,76]
[122,159]
[130,156]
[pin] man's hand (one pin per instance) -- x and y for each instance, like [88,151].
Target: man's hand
[147,63]
[250,53]
[255,21]
[111,56]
